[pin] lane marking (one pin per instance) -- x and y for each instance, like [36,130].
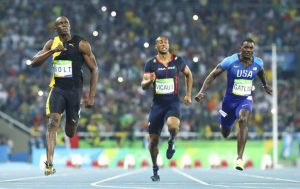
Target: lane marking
[269,178]
[126,187]
[190,177]
[30,178]
[228,185]
[117,176]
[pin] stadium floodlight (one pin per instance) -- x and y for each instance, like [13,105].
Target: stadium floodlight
[113,13]
[120,79]
[103,8]
[195,59]
[95,33]
[195,17]
[28,62]
[146,44]
[40,93]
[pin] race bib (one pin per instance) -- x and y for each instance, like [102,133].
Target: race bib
[62,68]
[242,87]
[164,86]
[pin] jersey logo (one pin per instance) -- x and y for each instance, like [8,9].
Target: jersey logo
[244,73]
[70,44]
[255,68]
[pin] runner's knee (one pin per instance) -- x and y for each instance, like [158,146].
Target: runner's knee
[225,132]
[154,141]
[173,124]
[243,120]
[54,122]
[173,128]
[70,129]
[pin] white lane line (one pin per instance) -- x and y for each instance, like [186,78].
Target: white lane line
[269,178]
[228,185]
[116,177]
[126,187]
[190,177]
[31,178]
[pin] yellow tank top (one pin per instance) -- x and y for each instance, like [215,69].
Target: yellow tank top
[56,42]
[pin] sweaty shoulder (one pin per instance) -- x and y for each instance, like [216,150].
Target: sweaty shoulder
[259,62]
[228,61]
[149,65]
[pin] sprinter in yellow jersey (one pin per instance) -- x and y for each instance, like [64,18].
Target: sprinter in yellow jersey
[69,53]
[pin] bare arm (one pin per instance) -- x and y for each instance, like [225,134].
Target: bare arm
[261,75]
[207,82]
[91,63]
[42,55]
[148,79]
[189,84]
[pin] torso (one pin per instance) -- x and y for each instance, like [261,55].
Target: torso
[240,77]
[67,65]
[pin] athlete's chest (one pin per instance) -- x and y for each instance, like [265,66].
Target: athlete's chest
[166,71]
[72,52]
[238,70]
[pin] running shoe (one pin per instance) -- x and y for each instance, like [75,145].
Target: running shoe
[155,177]
[239,165]
[170,150]
[49,169]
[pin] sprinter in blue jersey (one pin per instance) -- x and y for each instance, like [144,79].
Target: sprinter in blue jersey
[241,68]
[162,71]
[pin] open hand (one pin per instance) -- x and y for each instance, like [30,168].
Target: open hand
[268,90]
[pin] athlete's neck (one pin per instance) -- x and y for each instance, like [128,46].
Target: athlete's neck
[66,37]
[245,60]
[164,57]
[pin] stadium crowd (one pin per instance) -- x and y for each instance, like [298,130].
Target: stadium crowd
[121,104]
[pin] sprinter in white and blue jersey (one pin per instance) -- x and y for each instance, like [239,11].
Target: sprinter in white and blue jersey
[241,69]
[162,72]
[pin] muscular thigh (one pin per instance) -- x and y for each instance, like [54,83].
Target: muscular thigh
[156,119]
[56,102]
[228,115]
[244,105]
[173,115]
[73,106]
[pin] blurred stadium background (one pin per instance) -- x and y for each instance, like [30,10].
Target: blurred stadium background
[122,35]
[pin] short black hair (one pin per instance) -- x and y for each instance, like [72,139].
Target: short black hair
[161,36]
[250,40]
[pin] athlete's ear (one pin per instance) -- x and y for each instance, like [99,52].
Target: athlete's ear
[54,27]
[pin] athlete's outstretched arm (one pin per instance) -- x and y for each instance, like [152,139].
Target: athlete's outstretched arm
[189,84]
[148,79]
[207,82]
[261,75]
[90,60]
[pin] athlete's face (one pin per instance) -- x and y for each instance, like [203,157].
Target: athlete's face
[162,45]
[247,50]
[62,26]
